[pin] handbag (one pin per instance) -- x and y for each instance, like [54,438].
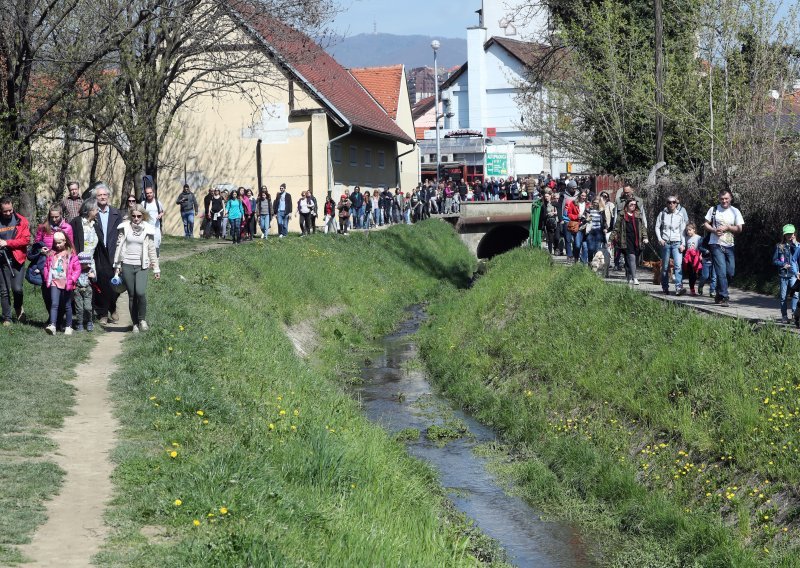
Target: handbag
[574,226]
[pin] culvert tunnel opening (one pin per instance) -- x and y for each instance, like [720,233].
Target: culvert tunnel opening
[502,239]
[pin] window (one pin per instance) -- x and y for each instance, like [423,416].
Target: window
[367,158]
[353,155]
[431,157]
[337,153]
[381,159]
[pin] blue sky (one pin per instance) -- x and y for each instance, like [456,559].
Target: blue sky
[442,18]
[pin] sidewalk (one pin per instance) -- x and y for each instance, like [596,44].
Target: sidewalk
[750,306]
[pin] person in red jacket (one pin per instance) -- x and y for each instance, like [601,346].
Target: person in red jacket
[15,236]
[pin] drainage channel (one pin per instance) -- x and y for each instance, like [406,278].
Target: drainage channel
[396,394]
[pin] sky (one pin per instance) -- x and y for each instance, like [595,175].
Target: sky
[435,18]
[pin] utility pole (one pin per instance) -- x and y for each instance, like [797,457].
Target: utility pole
[659,56]
[435,45]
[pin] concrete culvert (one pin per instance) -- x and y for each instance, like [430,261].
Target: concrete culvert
[502,239]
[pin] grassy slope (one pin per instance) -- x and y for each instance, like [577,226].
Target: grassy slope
[35,396]
[272,459]
[672,434]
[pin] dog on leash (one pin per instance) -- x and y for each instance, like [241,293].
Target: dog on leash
[656,266]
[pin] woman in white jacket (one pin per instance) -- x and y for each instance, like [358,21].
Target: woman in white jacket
[136,252]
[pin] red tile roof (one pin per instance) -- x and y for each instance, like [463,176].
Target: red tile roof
[420,131]
[422,106]
[527,52]
[384,84]
[329,82]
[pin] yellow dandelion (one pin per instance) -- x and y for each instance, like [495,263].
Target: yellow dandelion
[205,421]
[177,502]
[181,328]
[282,413]
[271,426]
[176,445]
[205,338]
[200,412]
[173,454]
[294,428]
[152,398]
[169,348]
[223,510]
[196,522]
[178,399]
[296,412]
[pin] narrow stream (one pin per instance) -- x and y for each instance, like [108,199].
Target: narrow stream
[528,541]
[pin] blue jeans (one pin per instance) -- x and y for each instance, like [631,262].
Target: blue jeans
[724,266]
[569,238]
[407,216]
[785,283]
[236,229]
[708,276]
[283,223]
[377,216]
[263,221]
[60,299]
[188,224]
[358,217]
[671,250]
[581,249]
[595,241]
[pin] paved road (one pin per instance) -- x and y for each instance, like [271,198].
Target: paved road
[751,306]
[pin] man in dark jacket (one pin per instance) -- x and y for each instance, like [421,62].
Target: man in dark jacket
[282,210]
[106,226]
[357,208]
[189,208]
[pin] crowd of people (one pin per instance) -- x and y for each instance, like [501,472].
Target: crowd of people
[84,254]
[593,227]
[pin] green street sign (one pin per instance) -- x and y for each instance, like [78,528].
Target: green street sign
[496,165]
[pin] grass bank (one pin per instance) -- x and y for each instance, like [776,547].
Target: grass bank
[35,396]
[236,452]
[670,435]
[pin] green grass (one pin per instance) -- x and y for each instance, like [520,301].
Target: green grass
[303,477]
[35,396]
[673,436]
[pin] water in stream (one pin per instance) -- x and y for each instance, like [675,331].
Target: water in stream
[527,540]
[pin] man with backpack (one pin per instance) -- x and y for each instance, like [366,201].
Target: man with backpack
[723,222]
[155,209]
[670,231]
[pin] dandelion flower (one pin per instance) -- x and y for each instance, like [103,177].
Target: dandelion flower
[223,510]
[282,412]
[205,421]
[294,428]
[173,454]
[196,522]
[181,328]
[296,412]
[200,412]
[176,445]
[152,398]
[177,399]
[169,348]
[271,426]
[177,502]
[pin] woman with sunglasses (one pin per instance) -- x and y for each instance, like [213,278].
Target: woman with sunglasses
[136,253]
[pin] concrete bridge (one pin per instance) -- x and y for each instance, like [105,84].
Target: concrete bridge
[490,228]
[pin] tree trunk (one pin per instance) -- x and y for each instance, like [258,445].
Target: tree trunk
[63,170]
[95,159]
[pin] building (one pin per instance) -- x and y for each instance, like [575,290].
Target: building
[481,131]
[318,127]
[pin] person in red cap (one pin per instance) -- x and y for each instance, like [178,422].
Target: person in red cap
[344,213]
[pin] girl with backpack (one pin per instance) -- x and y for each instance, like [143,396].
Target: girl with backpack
[61,272]
[784,259]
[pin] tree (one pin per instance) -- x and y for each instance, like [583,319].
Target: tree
[187,49]
[46,46]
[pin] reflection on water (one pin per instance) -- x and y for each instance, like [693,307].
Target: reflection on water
[527,540]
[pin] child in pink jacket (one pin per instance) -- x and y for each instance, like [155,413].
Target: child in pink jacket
[61,272]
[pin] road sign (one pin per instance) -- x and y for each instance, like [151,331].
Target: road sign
[497,165]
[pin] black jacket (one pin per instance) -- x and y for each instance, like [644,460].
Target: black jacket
[104,253]
[288,209]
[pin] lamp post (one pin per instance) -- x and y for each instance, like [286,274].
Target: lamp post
[435,45]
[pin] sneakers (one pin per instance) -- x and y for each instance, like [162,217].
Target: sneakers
[699,291]
[22,317]
[50,329]
[143,325]
[68,331]
[79,328]
[89,326]
[680,292]
[693,293]
[6,323]
[113,317]
[135,328]
[635,281]
[784,320]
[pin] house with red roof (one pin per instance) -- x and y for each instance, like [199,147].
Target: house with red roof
[311,123]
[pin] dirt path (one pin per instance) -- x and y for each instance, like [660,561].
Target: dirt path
[75,528]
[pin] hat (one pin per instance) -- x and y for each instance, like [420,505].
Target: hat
[85,257]
[788,229]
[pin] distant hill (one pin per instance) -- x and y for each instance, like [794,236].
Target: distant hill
[372,50]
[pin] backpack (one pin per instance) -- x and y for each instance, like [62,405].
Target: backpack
[35,271]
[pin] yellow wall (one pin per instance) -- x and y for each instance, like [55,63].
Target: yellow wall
[409,172]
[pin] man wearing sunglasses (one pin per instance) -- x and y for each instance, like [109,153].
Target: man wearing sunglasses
[671,232]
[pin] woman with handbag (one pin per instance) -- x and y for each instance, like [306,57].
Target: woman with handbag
[576,213]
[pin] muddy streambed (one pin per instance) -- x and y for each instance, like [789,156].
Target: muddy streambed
[396,394]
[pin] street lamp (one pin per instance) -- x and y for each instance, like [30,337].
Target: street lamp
[436,45]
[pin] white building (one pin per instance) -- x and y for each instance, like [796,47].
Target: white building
[479,101]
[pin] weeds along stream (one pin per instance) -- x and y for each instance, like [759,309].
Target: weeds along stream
[396,394]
